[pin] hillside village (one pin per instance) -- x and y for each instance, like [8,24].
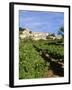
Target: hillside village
[27,33]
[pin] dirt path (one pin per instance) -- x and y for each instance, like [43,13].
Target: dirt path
[50,74]
[56,68]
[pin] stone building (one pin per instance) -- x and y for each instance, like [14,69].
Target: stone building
[34,35]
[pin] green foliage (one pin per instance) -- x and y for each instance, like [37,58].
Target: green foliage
[48,37]
[61,31]
[31,64]
[30,32]
[21,29]
[52,34]
[54,50]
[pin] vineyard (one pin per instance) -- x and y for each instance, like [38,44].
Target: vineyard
[38,58]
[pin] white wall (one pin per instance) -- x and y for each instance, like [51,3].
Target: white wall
[4,44]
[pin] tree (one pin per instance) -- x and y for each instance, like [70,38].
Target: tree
[21,30]
[61,31]
[52,35]
[30,32]
[48,37]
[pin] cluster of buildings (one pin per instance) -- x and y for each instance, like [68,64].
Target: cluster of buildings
[34,35]
[26,33]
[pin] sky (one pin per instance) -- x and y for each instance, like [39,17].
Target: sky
[41,21]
